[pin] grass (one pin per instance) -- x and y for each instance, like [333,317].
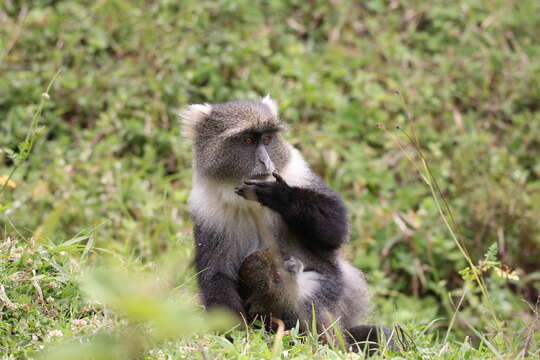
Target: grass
[96,241]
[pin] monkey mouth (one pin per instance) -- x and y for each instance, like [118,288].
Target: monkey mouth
[260,177]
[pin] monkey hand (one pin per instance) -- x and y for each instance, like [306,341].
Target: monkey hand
[293,265]
[272,194]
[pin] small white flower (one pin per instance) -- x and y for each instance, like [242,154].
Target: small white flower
[79,325]
[55,333]
[80,321]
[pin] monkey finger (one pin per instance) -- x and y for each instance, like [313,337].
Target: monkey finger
[248,192]
[279,178]
[251,183]
[241,191]
[256,182]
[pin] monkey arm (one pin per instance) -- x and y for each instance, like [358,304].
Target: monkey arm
[319,220]
[221,291]
[317,217]
[217,288]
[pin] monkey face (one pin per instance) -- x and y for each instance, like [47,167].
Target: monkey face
[240,140]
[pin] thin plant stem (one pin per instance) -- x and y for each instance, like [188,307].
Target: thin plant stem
[454,316]
[31,131]
[452,228]
[444,209]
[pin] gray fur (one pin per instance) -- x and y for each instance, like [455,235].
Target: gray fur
[225,231]
[219,153]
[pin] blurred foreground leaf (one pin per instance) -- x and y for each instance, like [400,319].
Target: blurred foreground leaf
[150,309]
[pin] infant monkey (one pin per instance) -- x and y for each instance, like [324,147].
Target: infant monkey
[264,287]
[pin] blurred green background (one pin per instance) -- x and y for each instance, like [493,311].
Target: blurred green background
[109,176]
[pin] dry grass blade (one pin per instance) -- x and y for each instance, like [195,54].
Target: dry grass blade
[405,340]
[5,300]
[533,328]
[454,316]
[278,340]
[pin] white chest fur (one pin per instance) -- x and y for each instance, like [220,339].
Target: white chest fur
[216,207]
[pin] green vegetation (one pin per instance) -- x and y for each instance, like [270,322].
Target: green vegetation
[95,238]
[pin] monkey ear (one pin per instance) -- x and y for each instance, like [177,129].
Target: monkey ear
[268,101]
[191,116]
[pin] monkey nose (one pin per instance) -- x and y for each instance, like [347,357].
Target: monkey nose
[268,165]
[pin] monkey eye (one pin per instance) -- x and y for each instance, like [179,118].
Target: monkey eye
[266,139]
[248,140]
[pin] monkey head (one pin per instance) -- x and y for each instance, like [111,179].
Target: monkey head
[237,140]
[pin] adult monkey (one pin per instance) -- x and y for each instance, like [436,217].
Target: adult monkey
[267,229]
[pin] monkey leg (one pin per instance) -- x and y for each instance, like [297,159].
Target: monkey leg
[369,338]
[268,287]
